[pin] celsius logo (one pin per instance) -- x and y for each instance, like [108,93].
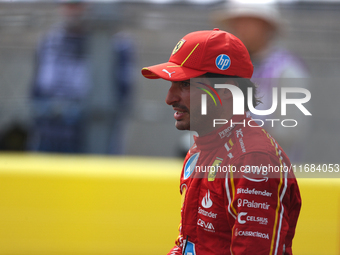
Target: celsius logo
[204,97]
[239,217]
[223,62]
[206,201]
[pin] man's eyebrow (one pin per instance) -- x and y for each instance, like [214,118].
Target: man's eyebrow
[182,81]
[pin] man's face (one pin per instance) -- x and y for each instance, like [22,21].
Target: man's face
[179,98]
[73,10]
[73,14]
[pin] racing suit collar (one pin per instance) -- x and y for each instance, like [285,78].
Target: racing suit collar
[218,136]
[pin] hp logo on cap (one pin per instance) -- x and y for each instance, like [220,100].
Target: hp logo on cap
[223,62]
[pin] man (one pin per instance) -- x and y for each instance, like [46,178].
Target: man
[61,83]
[231,202]
[63,80]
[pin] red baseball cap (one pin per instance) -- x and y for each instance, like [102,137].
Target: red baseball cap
[200,52]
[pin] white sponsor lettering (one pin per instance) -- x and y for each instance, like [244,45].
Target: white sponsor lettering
[252,234]
[242,145]
[260,220]
[252,204]
[226,132]
[207,214]
[239,217]
[239,133]
[254,192]
[206,225]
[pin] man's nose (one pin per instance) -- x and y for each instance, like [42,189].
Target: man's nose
[173,95]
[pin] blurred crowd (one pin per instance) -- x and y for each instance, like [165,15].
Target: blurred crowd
[65,83]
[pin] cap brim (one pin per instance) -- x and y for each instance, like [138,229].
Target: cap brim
[171,72]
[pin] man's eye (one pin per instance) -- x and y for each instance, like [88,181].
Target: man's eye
[185,84]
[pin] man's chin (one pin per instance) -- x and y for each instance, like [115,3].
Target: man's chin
[181,125]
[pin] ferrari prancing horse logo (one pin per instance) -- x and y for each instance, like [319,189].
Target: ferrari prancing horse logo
[178,46]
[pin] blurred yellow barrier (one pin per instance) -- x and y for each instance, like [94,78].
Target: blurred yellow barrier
[53,204]
[88,205]
[318,229]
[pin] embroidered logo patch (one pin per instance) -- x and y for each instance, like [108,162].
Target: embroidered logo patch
[190,165]
[178,46]
[223,62]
